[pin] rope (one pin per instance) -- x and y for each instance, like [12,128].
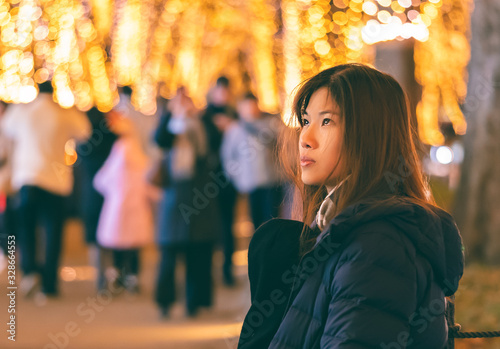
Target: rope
[454,328]
[487,334]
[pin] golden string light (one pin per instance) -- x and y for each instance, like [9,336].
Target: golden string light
[227,46]
[126,53]
[291,49]
[44,40]
[443,82]
[144,91]
[103,15]
[155,46]
[263,29]
[397,19]
[17,62]
[318,35]
[187,60]
[146,87]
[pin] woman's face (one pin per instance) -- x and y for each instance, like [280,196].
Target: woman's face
[321,140]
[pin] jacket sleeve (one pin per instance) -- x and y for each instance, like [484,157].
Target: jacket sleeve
[273,251]
[373,292]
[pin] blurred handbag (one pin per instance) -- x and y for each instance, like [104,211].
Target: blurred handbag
[159,174]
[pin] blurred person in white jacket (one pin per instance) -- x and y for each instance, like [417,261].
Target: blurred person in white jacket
[250,161]
[40,131]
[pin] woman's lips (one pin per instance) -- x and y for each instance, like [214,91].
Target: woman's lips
[305,161]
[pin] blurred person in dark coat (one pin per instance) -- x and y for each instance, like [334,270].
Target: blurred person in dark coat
[216,118]
[91,156]
[188,213]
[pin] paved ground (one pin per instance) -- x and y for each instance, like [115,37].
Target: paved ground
[83,318]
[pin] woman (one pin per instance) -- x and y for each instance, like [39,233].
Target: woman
[126,221]
[188,212]
[91,155]
[375,257]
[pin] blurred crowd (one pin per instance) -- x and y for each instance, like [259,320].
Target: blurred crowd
[172,179]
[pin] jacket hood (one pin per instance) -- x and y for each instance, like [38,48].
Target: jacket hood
[433,232]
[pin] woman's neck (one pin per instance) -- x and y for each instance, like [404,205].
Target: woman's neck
[331,188]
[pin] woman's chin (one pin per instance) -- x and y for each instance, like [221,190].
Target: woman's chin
[307,180]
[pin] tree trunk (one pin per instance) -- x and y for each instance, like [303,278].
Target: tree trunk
[477,206]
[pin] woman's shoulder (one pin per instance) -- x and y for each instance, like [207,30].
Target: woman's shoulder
[274,250]
[277,239]
[394,232]
[276,229]
[276,234]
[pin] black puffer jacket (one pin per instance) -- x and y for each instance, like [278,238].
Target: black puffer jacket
[376,278]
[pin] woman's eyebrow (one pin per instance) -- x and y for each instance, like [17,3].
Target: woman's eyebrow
[322,112]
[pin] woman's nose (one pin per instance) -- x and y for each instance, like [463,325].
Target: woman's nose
[307,138]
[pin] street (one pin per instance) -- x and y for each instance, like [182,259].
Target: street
[84,318]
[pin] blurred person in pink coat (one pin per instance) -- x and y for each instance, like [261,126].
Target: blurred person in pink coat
[126,220]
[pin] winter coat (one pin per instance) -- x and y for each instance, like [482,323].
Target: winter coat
[214,135]
[248,153]
[40,131]
[273,250]
[376,278]
[91,156]
[126,219]
[188,210]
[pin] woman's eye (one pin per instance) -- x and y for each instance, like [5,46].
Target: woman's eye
[326,121]
[305,122]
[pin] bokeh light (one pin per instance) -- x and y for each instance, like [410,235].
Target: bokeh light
[88,49]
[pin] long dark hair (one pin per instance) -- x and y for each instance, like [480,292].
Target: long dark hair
[380,147]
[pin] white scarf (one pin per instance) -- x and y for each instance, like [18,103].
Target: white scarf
[327,209]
